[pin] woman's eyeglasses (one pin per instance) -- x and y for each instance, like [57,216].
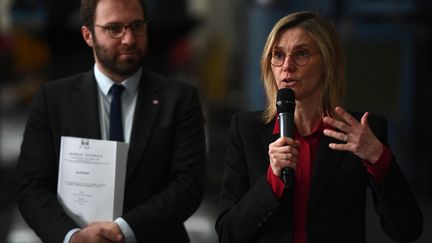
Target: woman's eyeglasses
[299,56]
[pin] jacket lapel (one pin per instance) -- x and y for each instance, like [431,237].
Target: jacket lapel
[324,166]
[85,107]
[148,104]
[267,135]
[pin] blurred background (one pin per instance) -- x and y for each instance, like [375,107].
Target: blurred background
[216,45]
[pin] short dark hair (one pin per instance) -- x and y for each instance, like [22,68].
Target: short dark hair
[88,8]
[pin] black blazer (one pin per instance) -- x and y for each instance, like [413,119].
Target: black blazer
[165,166]
[336,207]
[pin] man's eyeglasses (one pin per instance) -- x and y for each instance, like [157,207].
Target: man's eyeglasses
[299,56]
[117,31]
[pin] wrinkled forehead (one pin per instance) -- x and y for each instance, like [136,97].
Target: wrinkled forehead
[118,11]
[292,38]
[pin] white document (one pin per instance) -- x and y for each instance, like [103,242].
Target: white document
[92,179]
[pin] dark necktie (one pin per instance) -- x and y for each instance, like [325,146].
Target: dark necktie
[115,118]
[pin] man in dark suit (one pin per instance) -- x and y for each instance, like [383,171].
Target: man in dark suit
[161,119]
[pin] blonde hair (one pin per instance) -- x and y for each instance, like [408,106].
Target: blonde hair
[324,34]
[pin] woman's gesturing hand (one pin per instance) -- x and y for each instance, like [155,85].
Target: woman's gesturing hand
[357,136]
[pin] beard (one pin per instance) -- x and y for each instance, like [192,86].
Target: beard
[110,59]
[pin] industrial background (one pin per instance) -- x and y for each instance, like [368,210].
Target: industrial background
[216,45]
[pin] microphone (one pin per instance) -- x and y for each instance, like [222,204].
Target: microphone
[285,105]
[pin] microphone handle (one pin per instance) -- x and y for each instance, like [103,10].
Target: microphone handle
[288,177]
[286,130]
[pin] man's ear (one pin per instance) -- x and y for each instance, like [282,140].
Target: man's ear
[87,35]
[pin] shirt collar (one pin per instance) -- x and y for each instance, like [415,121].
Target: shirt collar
[319,128]
[105,83]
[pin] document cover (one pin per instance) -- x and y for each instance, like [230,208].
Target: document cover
[92,178]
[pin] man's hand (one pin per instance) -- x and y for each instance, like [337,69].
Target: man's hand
[99,232]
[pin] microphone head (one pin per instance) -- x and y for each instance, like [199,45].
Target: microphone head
[285,101]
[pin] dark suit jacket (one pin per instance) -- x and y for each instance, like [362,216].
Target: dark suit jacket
[336,207]
[165,166]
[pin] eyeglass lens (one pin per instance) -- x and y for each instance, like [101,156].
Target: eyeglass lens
[300,57]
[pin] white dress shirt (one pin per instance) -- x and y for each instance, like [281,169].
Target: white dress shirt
[128,103]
